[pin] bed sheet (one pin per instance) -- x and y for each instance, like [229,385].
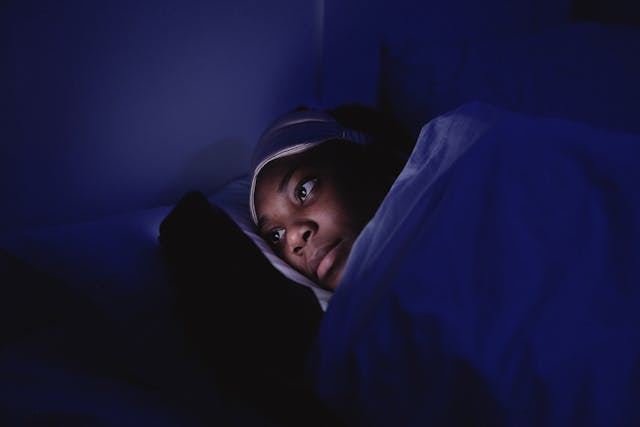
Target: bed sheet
[498,283]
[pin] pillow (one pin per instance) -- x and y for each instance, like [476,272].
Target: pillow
[584,72]
[233,198]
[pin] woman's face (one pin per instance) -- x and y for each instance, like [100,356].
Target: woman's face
[303,212]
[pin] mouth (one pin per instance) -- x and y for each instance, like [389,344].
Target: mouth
[327,258]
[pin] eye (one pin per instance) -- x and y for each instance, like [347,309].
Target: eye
[303,191]
[276,235]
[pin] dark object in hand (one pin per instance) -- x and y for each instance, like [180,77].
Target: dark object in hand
[254,326]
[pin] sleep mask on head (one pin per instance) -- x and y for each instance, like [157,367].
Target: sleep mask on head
[295,133]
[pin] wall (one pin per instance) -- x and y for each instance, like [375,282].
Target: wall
[119,105]
[355,31]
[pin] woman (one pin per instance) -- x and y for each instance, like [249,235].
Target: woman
[316,183]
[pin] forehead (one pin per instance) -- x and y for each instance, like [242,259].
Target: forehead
[271,174]
[271,178]
[279,166]
[269,194]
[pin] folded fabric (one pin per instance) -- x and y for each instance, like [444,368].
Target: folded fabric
[498,283]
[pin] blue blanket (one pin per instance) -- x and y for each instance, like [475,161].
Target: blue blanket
[498,283]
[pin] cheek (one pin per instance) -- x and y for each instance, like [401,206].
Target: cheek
[337,214]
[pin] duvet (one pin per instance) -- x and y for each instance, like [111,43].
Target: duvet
[498,283]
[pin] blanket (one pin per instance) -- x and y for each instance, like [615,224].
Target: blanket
[497,284]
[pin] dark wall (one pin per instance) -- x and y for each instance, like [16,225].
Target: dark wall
[119,105]
[356,31]
[616,12]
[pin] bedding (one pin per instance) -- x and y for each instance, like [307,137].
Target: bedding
[497,284]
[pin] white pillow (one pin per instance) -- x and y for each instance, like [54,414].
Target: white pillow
[233,198]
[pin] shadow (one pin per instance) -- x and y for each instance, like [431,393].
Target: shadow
[32,301]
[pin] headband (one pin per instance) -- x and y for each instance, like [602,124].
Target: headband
[295,133]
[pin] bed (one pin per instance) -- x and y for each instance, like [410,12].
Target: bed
[103,323]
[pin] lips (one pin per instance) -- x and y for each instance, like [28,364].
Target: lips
[324,258]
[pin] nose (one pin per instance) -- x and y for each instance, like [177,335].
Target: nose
[298,235]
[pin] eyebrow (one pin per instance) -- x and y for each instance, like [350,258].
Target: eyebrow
[261,222]
[286,178]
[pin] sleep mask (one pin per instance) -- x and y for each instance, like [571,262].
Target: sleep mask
[295,133]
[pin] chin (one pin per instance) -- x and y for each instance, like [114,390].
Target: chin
[333,264]
[334,276]
[331,283]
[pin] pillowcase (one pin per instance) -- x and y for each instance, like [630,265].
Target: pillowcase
[584,72]
[233,199]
